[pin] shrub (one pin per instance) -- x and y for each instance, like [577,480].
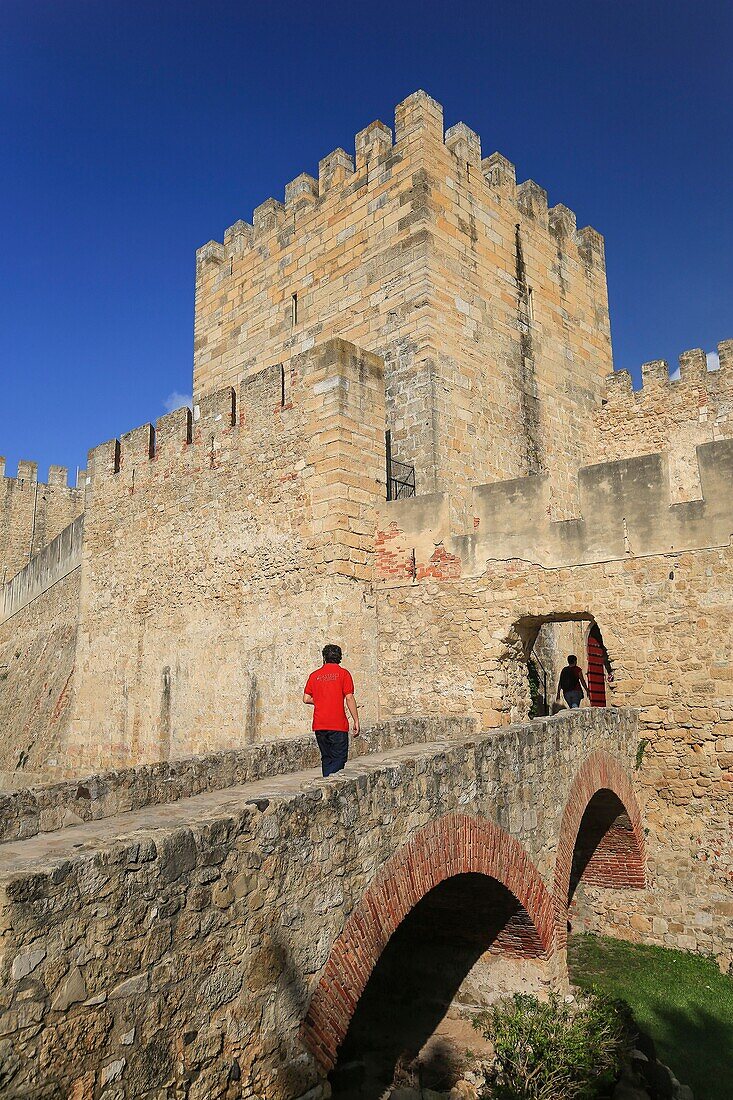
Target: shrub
[550,1050]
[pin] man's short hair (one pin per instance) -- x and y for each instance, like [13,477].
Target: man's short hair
[331,654]
[572,659]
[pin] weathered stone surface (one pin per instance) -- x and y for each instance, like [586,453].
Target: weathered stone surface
[72,989]
[130,987]
[194,984]
[111,1072]
[26,962]
[27,812]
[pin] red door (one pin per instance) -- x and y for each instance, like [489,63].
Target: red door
[596,671]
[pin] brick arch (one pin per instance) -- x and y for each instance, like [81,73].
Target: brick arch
[453,845]
[599,774]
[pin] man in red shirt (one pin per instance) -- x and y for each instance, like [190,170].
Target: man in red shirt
[327,690]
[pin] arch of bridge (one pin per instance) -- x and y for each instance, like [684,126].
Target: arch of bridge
[452,845]
[599,772]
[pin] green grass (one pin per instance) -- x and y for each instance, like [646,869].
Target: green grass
[681,1000]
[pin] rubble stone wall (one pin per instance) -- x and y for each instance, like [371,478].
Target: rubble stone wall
[37,647]
[160,953]
[29,811]
[460,634]
[61,556]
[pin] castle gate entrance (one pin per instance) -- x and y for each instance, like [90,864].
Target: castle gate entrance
[542,644]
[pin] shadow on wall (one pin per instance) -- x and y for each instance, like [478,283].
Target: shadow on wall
[419,976]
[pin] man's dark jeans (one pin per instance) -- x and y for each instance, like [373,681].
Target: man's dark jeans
[334,746]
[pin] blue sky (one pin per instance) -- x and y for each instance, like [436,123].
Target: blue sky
[132,132]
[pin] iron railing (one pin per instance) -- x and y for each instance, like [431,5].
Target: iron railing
[400,476]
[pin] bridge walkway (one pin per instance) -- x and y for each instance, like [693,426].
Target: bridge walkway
[20,856]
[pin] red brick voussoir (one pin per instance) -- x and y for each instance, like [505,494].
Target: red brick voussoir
[453,845]
[599,772]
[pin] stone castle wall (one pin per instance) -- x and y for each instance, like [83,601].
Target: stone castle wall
[58,558]
[489,310]
[220,555]
[672,416]
[221,549]
[32,514]
[37,652]
[458,616]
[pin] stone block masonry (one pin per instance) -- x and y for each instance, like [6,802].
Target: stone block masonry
[464,635]
[489,309]
[623,509]
[220,553]
[60,557]
[217,944]
[674,416]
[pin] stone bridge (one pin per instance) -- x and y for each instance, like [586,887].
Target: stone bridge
[220,926]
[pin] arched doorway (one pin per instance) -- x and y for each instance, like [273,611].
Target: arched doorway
[538,649]
[449,955]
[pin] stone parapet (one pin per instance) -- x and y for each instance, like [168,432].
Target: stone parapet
[238,928]
[660,385]
[625,508]
[27,812]
[319,423]
[418,119]
[51,564]
[670,412]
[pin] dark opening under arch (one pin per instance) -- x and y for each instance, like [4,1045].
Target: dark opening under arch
[607,852]
[418,976]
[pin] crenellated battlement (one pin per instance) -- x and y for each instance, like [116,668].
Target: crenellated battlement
[625,508]
[659,384]
[187,439]
[488,306]
[308,436]
[227,423]
[58,476]
[32,512]
[674,414]
[417,118]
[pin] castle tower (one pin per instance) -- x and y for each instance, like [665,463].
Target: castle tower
[489,309]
